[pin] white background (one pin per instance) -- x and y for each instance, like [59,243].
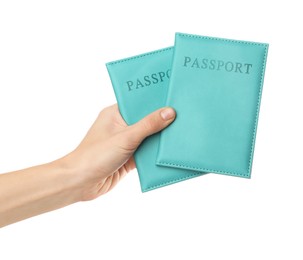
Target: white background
[53,83]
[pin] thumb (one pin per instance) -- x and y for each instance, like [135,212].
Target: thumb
[151,124]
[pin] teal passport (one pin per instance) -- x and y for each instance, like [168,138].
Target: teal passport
[140,84]
[215,87]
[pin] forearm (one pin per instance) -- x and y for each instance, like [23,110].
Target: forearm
[36,190]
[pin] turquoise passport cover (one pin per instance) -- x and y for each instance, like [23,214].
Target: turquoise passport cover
[215,88]
[140,84]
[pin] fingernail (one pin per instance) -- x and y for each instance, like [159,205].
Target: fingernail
[167,113]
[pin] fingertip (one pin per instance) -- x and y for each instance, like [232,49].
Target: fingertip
[168,113]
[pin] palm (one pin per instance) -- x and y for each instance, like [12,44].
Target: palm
[111,123]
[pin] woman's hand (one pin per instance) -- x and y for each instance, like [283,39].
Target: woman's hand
[106,153]
[103,157]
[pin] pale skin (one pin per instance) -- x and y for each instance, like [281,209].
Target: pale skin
[104,157]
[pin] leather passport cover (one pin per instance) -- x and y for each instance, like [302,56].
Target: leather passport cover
[215,88]
[140,84]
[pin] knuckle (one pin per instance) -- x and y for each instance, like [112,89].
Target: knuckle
[148,125]
[108,109]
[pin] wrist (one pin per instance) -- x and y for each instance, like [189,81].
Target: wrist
[69,178]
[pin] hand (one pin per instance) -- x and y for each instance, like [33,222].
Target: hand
[106,153]
[103,157]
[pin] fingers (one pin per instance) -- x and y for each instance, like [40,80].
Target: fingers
[151,124]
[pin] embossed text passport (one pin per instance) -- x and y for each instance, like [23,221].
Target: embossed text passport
[215,87]
[140,84]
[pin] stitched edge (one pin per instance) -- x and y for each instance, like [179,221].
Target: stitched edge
[174,181]
[220,39]
[138,56]
[257,110]
[247,174]
[201,169]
